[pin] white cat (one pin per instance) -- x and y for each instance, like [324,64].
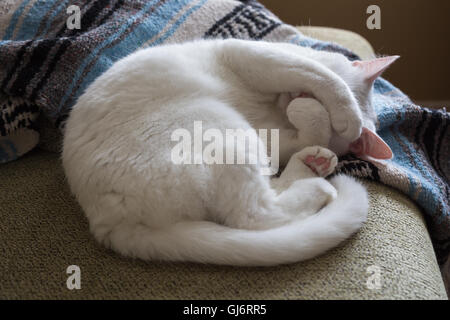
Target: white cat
[117,152]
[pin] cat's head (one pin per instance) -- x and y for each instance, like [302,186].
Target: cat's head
[360,76]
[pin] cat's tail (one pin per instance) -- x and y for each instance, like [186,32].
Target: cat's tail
[208,242]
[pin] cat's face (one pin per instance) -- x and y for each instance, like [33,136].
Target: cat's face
[360,76]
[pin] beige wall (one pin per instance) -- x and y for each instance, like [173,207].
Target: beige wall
[418,30]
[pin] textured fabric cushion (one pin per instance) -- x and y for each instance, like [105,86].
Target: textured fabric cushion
[43,231]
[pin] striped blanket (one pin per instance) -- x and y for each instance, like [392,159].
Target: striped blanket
[46,65]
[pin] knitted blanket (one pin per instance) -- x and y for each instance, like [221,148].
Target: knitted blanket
[46,66]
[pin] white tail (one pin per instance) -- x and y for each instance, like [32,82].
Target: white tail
[208,242]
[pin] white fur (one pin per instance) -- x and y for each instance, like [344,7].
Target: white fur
[117,153]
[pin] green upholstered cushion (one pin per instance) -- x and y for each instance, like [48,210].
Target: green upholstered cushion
[43,231]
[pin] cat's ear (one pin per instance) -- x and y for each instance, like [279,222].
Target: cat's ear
[370,144]
[372,69]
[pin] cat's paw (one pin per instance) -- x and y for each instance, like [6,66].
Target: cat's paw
[320,160]
[311,120]
[302,111]
[347,121]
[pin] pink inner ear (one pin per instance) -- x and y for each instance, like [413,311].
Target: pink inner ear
[374,68]
[370,144]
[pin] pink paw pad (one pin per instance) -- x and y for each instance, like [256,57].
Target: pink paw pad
[318,165]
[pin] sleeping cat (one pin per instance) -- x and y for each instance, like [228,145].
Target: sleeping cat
[117,151]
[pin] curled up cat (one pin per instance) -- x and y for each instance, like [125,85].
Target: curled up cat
[118,151]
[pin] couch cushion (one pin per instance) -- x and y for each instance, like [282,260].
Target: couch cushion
[43,231]
[347,39]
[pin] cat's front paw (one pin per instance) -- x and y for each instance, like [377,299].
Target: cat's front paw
[320,160]
[347,122]
[305,112]
[311,120]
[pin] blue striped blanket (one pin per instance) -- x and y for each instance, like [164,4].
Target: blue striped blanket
[46,66]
